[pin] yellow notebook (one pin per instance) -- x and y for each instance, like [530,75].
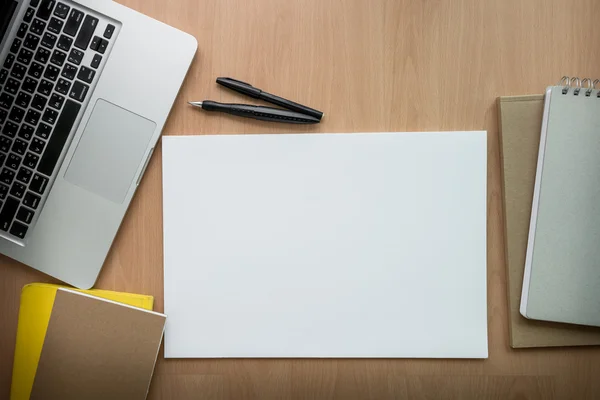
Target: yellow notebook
[37,300]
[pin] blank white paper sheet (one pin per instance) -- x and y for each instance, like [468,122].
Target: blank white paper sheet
[325,245]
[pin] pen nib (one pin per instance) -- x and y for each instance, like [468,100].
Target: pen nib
[195,103]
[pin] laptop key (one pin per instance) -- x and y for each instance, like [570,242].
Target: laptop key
[6,100]
[25,56]
[17,190]
[45,87]
[78,91]
[10,129]
[69,71]
[16,114]
[51,72]
[37,145]
[3,191]
[8,212]
[29,85]
[26,132]
[86,32]
[42,55]
[43,130]
[73,23]
[25,215]
[108,32]
[3,115]
[38,183]
[49,40]
[12,86]
[64,43]
[19,147]
[37,26]
[62,10]
[55,25]
[56,101]
[16,44]
[28,15]
[86,74]
[75,56]
[32,117]
[23,99]
[18,71]
[50,116]
[45,9]
[13,161]
[2,158]
[24,175]
[3,76]
[18,229]
[63,86]
[31,41]
[95,43]
[96,61]
[58,58]
[31,160]
[22,30]
[34,3]
[7,176]
[5,144]
[31,200]
[59,137]
[10,59]
[39,102]
[35,70]
[102,46]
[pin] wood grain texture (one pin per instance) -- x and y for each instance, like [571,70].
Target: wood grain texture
[370,65]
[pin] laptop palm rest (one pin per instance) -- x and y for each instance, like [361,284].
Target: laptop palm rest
[110,151]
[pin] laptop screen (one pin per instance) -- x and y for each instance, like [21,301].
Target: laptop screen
[7,9]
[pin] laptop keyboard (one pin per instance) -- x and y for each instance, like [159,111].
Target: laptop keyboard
[44,82]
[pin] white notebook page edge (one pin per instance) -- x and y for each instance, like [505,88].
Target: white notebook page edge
[535,204]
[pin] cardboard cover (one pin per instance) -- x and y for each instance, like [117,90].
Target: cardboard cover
[37,300]
[520,119]
[97,349]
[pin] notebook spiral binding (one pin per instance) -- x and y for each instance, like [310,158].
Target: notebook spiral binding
[577,84]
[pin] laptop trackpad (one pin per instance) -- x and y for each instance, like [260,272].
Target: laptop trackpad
[110,151]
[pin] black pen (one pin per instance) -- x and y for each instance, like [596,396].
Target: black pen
[257,112]
[247,89]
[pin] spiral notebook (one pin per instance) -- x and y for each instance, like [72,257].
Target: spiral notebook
[562,275]
[520,125]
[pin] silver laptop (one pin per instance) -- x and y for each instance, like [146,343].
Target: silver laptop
[85,89]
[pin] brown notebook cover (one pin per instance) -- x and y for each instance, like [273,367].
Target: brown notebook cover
[520,119]
[97,349]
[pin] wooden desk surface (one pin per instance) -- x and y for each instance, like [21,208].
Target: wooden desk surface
[371,65]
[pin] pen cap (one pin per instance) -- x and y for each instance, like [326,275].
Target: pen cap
[240,87]
[249,90]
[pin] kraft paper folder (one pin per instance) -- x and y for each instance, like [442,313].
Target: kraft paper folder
[520,120]
[37,300]
[97,349]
